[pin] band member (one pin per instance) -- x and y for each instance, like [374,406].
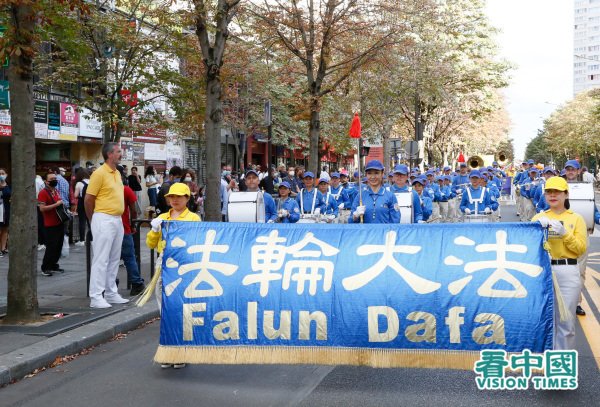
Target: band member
[287,207]
[476,199]
[567,240]
[331,205]
[378,204]
[425,200]
[401,186]
[310,200]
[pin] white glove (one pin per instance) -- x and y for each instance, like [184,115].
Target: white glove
[318,211]
[156,222]
[283,213]
[487,211]
[360,210]
[421,221]
[558,227]
[341,206]
[270,221]
[467,211]
[545,222]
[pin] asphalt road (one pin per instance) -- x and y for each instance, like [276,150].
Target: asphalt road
[121,373]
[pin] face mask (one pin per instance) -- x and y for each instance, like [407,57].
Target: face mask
[2,177]
[292,173]
[188,179]
[53,183]
[62,173]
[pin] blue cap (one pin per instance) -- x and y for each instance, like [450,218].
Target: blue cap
[364,180]
[285,184]
[335,175]
[489,167]
[533,169]
[252,172]
[530,162]
[420,180]
[428,173]
[475,174]
[415,169]
[548,169]
[563,172]
[573,163]
[374,165]
[463,165]
[495,163]
[401,169]
[355,174]
[325,180]
[439,178]
[447,168]
[447,178]
[308,174]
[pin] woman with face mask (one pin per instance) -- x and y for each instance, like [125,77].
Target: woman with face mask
[189,179]
[5,194]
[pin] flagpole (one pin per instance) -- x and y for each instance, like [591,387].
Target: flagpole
[360,201]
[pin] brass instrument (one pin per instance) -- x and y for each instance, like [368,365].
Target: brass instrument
[475,162]
[502,159]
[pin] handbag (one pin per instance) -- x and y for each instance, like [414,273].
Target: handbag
[61,211]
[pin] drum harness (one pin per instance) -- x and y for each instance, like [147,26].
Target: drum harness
[312,211]
[476,201]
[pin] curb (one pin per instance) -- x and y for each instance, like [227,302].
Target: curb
[15,365]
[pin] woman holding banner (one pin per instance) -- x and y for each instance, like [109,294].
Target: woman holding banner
[567,240]
[374,203]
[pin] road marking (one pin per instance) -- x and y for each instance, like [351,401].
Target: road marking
[589,323]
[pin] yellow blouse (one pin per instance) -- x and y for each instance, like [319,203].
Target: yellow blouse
[574,243]
[152,238]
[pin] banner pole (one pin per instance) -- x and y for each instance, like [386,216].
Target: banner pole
[360,201]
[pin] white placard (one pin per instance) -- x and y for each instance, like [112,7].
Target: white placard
[90,126]
[153,151]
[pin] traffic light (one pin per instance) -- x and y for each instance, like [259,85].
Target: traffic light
[364,151]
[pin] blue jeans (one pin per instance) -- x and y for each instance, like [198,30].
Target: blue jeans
[152,196]
[128,256]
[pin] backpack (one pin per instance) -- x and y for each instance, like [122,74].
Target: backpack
[161,201]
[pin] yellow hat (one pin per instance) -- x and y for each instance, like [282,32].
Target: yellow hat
[557,183]
[179,189]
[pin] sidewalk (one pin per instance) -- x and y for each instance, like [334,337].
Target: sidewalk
[26,348]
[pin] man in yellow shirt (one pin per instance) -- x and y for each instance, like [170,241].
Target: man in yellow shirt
[104,205]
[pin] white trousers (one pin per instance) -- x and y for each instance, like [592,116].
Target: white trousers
[569,283]
[435,213]
[582,263]
[452,211]
[107,232]
[528,210]
[444,208]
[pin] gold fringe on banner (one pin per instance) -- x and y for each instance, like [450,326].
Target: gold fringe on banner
[379,358]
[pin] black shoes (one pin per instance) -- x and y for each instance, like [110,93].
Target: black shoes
[137,289]
[47,273]
[580,311]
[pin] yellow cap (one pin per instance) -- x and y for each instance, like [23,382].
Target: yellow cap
[557,183]
[179,189]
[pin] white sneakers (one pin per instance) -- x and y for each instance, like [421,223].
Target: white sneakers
[80,243]
[41,247]
[115,299]
[99,303]
[106,301]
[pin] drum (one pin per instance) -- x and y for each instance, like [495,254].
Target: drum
[479,218]
[308,218]
[581,198]
[405,206]
[246,207]
[344,215]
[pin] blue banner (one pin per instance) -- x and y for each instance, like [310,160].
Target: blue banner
[342,288]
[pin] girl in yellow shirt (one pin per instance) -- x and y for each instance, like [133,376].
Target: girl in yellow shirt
[178,197]
[567,240]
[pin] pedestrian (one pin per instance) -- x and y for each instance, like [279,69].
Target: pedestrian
[49,201]
[567,240]
[135,183]
[152,185]
[175,174]
[189,179]
[267,184]
[586,176]
[374,204]
[39,185]
[178,196]
[127,247]
[104,204]
[5,194]
[82,179]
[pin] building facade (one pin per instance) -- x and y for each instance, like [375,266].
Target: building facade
[586,46]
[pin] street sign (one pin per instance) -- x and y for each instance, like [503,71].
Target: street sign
[268,113]
[412,149]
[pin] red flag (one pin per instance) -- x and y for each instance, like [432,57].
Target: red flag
[461,158]
[355,127]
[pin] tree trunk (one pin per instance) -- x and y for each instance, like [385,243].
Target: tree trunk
[314,135]
[22,303]
[213,122]
[388,161]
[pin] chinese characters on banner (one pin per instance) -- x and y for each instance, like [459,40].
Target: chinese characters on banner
[69,122]
[418,288]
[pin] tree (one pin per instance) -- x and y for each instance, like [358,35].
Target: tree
[537,148]
[211,22]
[329,39]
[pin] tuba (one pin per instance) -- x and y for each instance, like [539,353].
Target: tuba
[502,159]
[475,162]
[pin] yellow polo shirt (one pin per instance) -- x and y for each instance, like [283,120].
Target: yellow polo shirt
[106,185]
[574,243]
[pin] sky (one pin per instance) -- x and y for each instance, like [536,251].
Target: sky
[537,37]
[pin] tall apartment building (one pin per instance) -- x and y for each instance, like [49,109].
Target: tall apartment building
[586,45]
